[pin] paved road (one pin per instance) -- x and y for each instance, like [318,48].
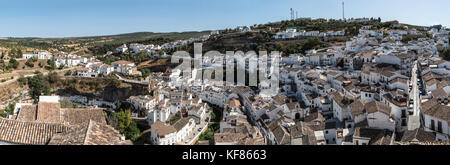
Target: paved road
[144,82]
[192,138]
[414,120]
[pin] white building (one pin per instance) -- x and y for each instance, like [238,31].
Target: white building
[379,116]
[164,134]
[158,113]
[436,118]
[142,102]
[122,48]
[125,67]
[39,55]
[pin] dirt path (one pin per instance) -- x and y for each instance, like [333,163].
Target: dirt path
[27,73]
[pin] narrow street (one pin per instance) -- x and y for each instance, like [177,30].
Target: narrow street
[192,138]
[414,119]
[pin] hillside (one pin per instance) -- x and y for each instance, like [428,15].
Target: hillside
[74,44]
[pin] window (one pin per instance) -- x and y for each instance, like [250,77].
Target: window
[432,124]
[439,126]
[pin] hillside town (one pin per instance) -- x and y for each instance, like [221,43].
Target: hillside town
[375,90]
[385,86]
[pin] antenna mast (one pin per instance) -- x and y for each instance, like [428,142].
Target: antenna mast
[292,14]
[343,11]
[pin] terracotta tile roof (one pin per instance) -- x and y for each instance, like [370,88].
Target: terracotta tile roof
[357,107]
[400,103]
[83,69]
[27,113]
[376,136]
[162,128]
[34,133]
[313,116]
[398,79]
[228,137]
[77,116]
[181,123]
[74,136]
[49,112]
[435,109]
[281,135]
[293,106]
[443,84]
[418,135]
[387,73]
[296,130]
[342,100]
[279,99]
[382,140]
[439,93]
[89,133]
[234,103]
[252,141]
[432,82]
[431,75]
[376,106]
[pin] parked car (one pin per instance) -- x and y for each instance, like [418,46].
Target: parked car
[411,109]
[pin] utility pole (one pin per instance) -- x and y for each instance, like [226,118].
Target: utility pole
[292,14]
[343,11]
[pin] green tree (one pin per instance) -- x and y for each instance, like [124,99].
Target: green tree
[145,72]
[446,54]
[52,64]
[13,52]
[19,53]
[30,62]
[36,85]
[3,114]
[115,82]
[310,43]
[340,63]
[127,125]
[68,73]
[9,110]
[47,90]
[53,78]
[41,64]
[22,81]
[13,63]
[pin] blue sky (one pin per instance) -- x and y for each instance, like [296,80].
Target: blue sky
[71,18]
